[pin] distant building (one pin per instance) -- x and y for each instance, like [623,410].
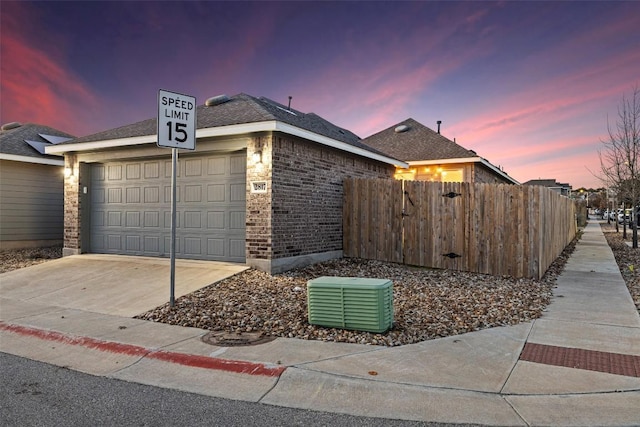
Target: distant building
[31,186]
[562,188]
[433,157]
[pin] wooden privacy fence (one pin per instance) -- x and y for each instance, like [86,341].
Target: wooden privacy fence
[495,229]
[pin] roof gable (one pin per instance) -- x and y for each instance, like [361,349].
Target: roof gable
[412,141]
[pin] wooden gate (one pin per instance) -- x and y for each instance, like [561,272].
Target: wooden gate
[494,229]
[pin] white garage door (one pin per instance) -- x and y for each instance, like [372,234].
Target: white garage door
[131,207]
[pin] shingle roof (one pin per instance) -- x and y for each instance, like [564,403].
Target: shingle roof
[239,109]
[13,141]
[416,143]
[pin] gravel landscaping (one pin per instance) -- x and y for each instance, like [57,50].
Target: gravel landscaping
[20,258]
[427,303]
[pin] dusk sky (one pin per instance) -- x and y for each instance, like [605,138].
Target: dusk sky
[528,86]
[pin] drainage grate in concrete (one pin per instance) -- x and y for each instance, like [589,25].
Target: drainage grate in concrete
[611,363]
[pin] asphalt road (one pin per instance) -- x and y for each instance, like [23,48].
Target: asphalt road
[37,394]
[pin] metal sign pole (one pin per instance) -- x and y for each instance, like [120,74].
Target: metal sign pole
[174,169]
[176,129]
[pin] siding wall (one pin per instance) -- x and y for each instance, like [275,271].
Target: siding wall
[483,175]
[31,204]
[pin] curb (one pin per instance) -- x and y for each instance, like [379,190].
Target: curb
[205,362]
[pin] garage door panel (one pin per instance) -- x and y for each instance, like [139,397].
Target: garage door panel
[237,165]
[236,248]
[193,219]
[114,173]
[98,243]
[114,195]
[217,166]
[151,194]
[97,195]
[114,243]
[151,219]
[193,167]
[132,195]
[238,192]
[133,243]
[237,220]
[193,194]
[97,219]
[216,193]
[133,171]
[193,247]
[151,245]
[215,247]
[215,220]
[97,173]
[114,219]
[132,219]
[131,209]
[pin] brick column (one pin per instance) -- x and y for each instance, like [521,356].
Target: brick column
[71,205]
[258,214]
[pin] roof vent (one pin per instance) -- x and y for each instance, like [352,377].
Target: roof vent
[11,125]
[401,128]
[217,100]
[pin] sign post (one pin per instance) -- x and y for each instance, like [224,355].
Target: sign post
[176,129]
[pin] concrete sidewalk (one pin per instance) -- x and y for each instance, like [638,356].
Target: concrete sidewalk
[577,365]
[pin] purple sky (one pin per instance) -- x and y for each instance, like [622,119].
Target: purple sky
[528,86]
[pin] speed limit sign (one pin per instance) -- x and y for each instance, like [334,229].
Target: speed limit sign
[176,120]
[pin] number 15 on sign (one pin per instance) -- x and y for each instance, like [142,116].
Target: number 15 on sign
[176,120]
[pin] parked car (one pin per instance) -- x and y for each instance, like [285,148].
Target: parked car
[624,216]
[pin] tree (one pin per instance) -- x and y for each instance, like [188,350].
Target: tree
[620,156]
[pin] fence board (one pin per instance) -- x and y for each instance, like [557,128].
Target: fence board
[496,229]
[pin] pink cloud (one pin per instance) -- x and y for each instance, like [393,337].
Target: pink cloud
[38,88]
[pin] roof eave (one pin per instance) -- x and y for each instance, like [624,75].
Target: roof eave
[480,160]
[27,159]
[230,130]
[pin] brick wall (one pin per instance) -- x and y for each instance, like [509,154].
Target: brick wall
[72,208]
[307,194]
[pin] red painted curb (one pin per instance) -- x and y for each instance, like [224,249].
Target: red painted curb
[237,366]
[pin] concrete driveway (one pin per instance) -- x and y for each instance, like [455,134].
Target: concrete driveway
[110,284]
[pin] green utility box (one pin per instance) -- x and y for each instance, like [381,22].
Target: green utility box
[351,303]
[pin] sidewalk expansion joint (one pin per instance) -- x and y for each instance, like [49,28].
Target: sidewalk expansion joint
[195,361]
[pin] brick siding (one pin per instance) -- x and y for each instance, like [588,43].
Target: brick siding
[307,197]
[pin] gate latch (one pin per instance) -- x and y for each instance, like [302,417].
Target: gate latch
[451,195]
